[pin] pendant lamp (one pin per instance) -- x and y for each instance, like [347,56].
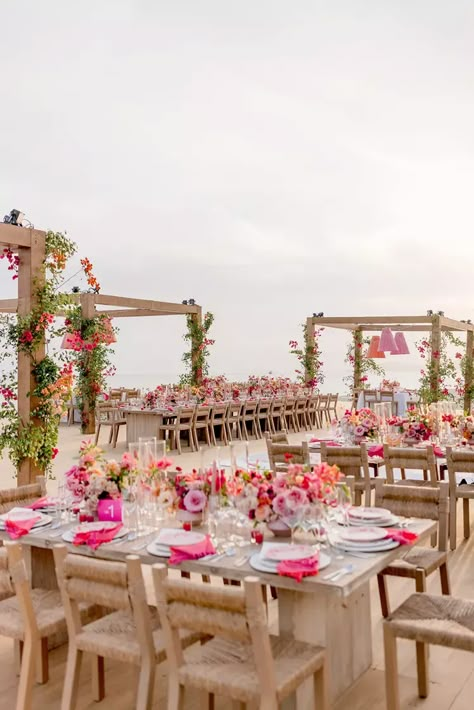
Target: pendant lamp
[387,341]
[373,350]
[401,344]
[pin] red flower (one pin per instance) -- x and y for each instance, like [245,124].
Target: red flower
[27,337]
[55,453]
[288,456]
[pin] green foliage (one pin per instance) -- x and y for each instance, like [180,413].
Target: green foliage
[196,358]
[310,372]
[362,366]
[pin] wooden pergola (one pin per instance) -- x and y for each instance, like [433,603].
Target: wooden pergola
[434,324]
[29,244]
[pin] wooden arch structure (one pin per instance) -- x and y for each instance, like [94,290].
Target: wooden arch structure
[434,324]
[30,245]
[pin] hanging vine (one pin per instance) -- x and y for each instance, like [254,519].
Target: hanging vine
[310,371]
[196,358]
[435,380]
[362,366]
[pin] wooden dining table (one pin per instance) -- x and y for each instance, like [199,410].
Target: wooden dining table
[144,422]
[332,614]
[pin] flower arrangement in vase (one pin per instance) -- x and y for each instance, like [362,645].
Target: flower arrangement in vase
[414,426]
[360,424]
[193,490]
[391,385]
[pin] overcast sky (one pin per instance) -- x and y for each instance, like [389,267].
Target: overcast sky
[267,158]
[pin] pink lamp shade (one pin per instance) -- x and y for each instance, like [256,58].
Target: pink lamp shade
[401,343]
[68,341]
[387,342]
[373,349]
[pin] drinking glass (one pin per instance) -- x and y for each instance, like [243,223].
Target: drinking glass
[293,519]
[344,502]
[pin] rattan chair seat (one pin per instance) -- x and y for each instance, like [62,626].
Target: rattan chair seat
[228,668]
[438,620]
[418,558]
[115,636]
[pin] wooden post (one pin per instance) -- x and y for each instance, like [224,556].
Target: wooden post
[30,277]
[468,372]
[435,353]
[88,405]
[195,369]
[358,339]
[309,345]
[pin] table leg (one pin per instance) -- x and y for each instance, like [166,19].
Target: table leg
[341,625]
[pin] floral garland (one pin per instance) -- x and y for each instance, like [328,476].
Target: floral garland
[196,359]
[310,373]
[362,365]
[435,379]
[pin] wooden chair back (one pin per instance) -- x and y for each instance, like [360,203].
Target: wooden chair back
[301,405]
[22,495]
[237,615]
[106,413]
[352,460]
[184,417]
[418,459]
[281,437]
[369,398]
[249,409]
[219,414]
[290,405]
[417,502]
[333,399]
[277,407]
[282,455]
[263,408]
[459,461]
[117,585]
[202,416]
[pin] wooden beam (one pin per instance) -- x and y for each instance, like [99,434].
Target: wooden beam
[15,237]
[370,320]
[450,324]
[404,328]
[8,305]
[468,372]
[143,304]
[134,313]
[88,404]
[435,351]
[309,344]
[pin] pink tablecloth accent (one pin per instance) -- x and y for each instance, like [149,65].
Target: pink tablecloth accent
[328,443]
[192,552]
[404,537]
[297,569]
[18,528]
[95,538]
[44,502]
[375,450]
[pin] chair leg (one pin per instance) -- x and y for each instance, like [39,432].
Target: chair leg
[146,681]
[177,442]
[27,675]
[420,580]
[18,652]
[210,701]
[97,434]
[465,512]
[42,667]
[98,678]
[422,669]
[391,668]
[320,685]
[444,577]
[111,434]
[383,594]
[175,696]
[452,521]
[71,680]
[114,440]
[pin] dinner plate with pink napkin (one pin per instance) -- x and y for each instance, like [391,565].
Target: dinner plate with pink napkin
[19,515]
[96,533]
[272,554]
[363,534]
[173,537]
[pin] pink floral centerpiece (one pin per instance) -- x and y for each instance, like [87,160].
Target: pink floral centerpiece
[414,426]
[192,491]
[391,385]
[360,424]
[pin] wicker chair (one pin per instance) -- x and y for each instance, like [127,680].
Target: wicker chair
[263,416]
[417,564]
[312,411]
[323,409]
[459,462]
[425,619]
[353,461]
[22,495]
[107,415]
[218,421]
[333,399]
[242,661]
[301,413]
[276,419]
[280,456]
[131,634]
[182,423]
[288,415]
[29,616]
[418,459]
[279,438]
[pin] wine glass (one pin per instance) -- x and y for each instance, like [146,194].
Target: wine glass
[293,518]
[344,502]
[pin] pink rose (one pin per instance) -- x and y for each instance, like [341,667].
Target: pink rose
[279,504]
[195,501]
[296,498]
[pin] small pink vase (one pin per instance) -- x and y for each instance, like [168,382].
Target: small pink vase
[109,509]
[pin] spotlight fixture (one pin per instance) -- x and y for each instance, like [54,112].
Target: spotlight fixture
[318,315]
[192,302]
[429,313]
[15,218]
[184,303]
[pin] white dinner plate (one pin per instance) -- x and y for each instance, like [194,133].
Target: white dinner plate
[261,565]
[178,537]
[158,550]
[384,546]
[278,551]
[362,534]
[19,514]
[368,514]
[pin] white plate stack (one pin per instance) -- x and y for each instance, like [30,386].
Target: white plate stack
[70,534]
[272,553]
[173,537]
[379,517]
[364,539]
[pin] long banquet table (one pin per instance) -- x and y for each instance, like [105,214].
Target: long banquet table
[333,614]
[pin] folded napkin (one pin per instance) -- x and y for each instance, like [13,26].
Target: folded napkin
[191,552]
[375,450]
[438,452]
[17,528]
[297,569]
[404,537]
[95,538]
[44,502]
[315,440]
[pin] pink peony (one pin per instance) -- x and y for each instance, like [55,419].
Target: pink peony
[195,501]
[279,505]
[296,498]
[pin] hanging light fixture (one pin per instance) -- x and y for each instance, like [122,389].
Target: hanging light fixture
[373,350]
[401,343]
[387,341]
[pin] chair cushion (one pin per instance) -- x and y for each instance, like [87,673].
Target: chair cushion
[228,668]
[428,560]
[115,636]
[439,620]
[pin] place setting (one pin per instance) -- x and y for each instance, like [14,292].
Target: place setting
[180,545]
[292,560]
[20,521]
[94,534]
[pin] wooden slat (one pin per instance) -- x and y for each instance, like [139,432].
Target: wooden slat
[143,304]
[14,237]
[450,324]
[134,313]
[8,305]
[371,320]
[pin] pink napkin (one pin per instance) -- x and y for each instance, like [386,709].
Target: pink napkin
[375,450]
[438,452]
[44,502]
[94,538]
[404,537]
[297,569]
[328,443]
[17,528]
[191,552]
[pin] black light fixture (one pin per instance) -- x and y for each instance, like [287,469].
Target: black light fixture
[184,303]
[192,302]
[429,313]
[318,315]
[15,218]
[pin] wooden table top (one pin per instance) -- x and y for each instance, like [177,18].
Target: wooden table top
[363,569]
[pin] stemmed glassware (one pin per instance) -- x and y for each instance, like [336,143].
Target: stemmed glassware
[344,502]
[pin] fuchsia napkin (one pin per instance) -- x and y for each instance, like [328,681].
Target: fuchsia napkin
[328,443]
[95,538]
[44,502]
[438,452]
[297,569]
[375,450]
[191,552]
[404,537]
[18,528]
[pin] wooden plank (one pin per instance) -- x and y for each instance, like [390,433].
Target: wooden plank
[435,350]
[468,372]
[144,304]
[399,327]
[88,409]
[450,324]
[8,305]
[14,237]
[134,313]
[370,320]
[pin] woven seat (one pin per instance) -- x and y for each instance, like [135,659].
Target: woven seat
[459,462]
[418,563]
[48,610]
[130,634]
[425,619]
[281,455]
[242,661]
[22,495]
